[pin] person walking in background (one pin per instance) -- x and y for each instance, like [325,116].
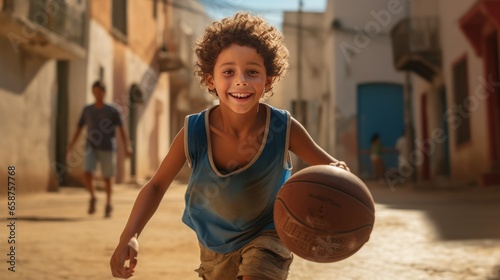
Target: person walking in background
[101,120]
[376,157]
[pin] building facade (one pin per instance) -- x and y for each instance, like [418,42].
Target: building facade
[454,60]
[38,41]
[51,53]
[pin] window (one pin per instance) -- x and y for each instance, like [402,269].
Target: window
[461,112]
[119,16]
[155,9]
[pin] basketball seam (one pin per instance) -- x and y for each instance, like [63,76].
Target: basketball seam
[288,210]
[324,185]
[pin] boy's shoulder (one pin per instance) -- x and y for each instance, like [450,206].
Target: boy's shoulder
[278,111]
[195,122]
[196,116]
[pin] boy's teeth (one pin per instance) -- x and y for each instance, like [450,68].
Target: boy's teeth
[240,95]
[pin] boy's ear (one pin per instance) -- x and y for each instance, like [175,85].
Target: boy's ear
[210,81]
[269,83]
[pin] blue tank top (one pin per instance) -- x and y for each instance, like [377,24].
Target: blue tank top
[228,210]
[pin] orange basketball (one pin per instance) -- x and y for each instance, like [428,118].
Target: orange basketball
[324,213]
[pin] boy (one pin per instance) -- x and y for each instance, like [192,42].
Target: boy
[239,155]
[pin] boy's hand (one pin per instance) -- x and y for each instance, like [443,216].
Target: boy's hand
[124,252]
[340,164]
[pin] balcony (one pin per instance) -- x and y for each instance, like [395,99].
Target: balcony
[416,47]
[168,61]
[49,28]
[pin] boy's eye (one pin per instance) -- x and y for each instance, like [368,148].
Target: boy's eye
[249,72]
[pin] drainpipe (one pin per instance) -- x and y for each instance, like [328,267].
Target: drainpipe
[409,128]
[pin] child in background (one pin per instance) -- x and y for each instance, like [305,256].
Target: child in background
[376,157]
[239,155]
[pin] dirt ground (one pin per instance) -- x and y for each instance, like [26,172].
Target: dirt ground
[418,235]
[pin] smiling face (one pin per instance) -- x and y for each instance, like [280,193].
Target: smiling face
[239,77]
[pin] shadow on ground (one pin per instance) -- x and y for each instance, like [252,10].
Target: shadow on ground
[457,214]
[48,219]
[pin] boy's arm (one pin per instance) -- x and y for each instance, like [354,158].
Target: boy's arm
[302,145]
[146,204]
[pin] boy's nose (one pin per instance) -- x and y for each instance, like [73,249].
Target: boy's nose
[241,81]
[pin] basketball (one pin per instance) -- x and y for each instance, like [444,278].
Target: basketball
[324,213]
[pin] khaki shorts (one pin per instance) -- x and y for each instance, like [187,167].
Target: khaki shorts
[265,257]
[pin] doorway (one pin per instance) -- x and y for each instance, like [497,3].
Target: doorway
[62,117]
[492,65]
[379,110]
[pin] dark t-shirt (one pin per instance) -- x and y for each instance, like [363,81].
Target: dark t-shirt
[101,123]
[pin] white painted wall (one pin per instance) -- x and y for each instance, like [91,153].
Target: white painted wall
[153,125]
[371,57]
[27,114]
[100,53]
[313,67]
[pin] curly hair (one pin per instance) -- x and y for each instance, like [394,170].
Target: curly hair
[242,29]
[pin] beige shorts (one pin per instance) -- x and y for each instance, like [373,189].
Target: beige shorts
[265,257]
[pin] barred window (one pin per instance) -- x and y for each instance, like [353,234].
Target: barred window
[119,16]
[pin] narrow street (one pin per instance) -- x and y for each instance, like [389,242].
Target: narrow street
[419,234]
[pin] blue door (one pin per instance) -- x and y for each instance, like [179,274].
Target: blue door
[380,110]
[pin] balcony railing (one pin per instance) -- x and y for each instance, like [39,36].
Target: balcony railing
[50,27]
[416,47]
